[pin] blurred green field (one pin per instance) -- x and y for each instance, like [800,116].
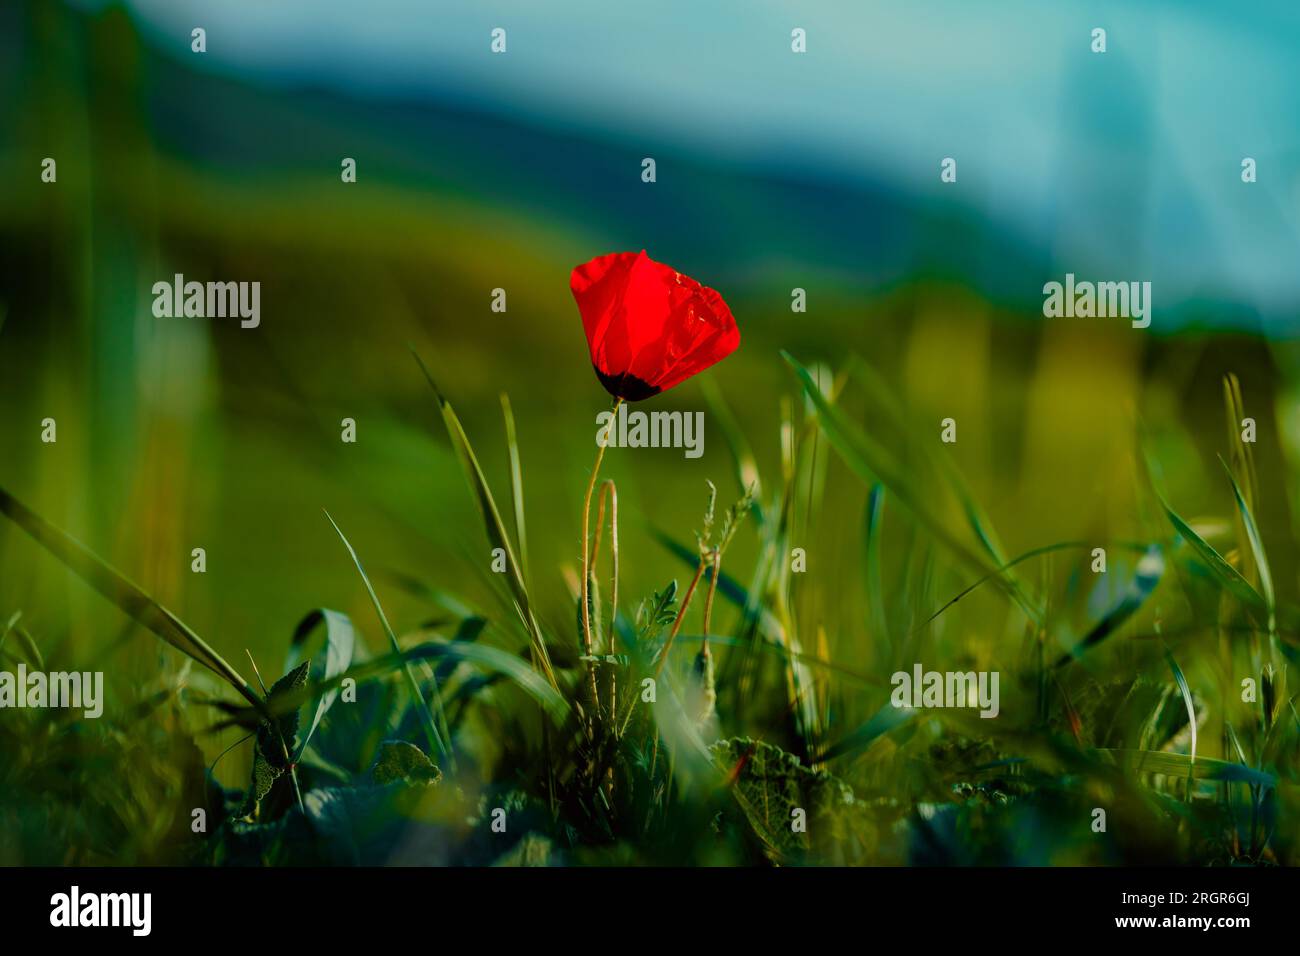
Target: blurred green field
[175,434]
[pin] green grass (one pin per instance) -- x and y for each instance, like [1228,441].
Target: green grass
[971,556]
[1119,692]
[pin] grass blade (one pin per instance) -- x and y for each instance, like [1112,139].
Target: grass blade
[741,454]
[1147,575]
[496,530]
[133,601]
[516,483]
[1186,691]
[1180,765]
[492,659]
[872,463]
[881,723]
[875,579]
[1256,547]
[30,652]
[430,727]
[884,399]
[340,640]
[1229,577]
[1243,460]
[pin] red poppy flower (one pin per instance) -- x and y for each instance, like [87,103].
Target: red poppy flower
[648,326]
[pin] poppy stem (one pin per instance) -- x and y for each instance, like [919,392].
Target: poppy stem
[587,557]
[681,613]
[610,491]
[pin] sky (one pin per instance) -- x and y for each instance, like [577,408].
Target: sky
[1127,162]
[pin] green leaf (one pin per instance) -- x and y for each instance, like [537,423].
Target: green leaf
[509,665]
[275,737]
[399,761]
[340,640]
[264,776]
[770,785]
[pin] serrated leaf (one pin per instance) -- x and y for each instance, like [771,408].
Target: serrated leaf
[770,784]
[399,761]
[264,777]
[274,742]
[275,738]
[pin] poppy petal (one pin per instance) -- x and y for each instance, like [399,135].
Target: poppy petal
[648,326]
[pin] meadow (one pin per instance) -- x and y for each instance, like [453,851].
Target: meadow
[351,680]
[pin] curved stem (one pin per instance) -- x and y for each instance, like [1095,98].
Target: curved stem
[681,613]
[586,556]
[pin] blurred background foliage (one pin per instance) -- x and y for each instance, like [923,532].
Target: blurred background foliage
[175,434]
